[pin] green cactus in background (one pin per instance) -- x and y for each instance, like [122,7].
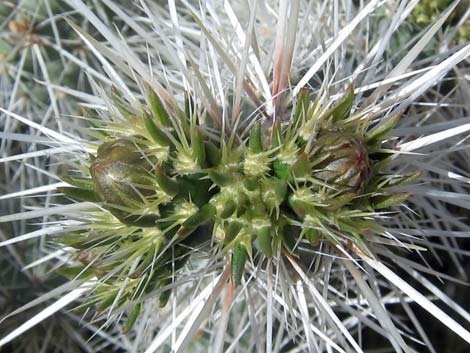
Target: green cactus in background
[426,12]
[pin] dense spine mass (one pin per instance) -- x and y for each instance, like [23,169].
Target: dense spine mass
[318,177]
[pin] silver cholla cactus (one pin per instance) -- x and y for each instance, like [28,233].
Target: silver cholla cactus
[317,177]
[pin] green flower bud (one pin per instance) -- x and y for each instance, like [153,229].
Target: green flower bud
[122,177]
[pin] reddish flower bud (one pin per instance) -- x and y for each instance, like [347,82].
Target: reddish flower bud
[345,161]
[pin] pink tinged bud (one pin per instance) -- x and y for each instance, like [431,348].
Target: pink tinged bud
[346,164]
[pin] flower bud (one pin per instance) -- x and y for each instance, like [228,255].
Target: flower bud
[345,162]
[122,177]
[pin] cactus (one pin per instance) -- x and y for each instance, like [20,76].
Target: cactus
[180,204]
[161,186]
